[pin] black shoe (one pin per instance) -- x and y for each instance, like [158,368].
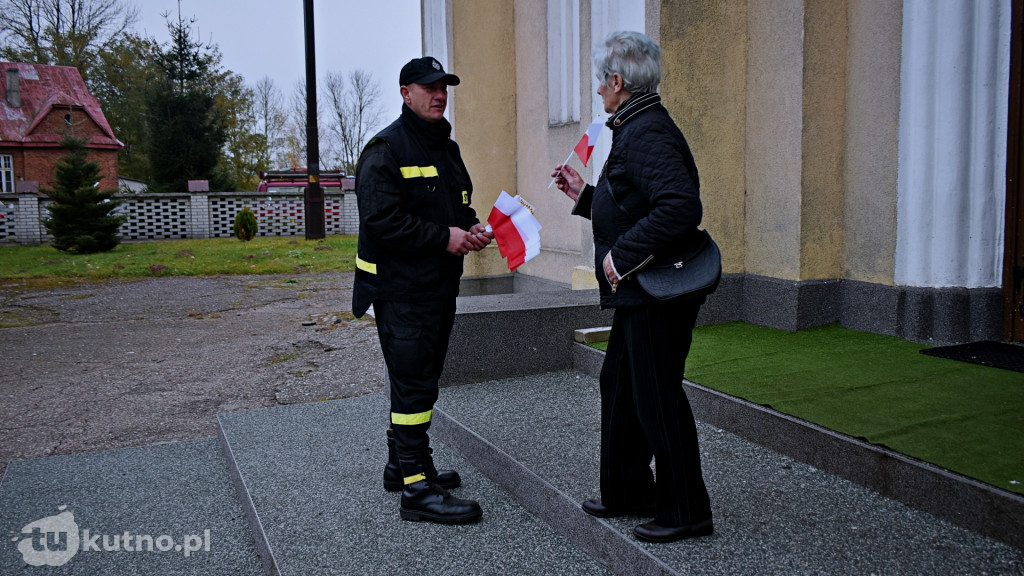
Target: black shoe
[394,481]
[596,508]
[651,532]
[425,501]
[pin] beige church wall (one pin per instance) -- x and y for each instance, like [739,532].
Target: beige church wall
[872,140]
[794,125]
[704,89]
[795,138]
[483,112]
[774,138]
[824,113]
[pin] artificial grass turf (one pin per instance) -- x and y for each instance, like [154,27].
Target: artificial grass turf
[963,417]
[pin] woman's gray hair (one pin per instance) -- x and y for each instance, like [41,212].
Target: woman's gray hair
[632,55]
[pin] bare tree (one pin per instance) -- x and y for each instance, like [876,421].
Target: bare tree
[355,113]
[293,153]
[62,32]
[271,118]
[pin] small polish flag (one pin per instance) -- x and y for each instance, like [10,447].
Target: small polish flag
[515,229]
[586,146]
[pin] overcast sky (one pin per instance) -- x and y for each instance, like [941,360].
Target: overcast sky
[266,37]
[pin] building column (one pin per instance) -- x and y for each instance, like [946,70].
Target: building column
[483,109]
[796,82]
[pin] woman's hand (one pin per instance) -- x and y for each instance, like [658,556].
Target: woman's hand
[609,271]
[568,180]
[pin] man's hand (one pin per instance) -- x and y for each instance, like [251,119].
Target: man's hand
[461,242]
[480,230]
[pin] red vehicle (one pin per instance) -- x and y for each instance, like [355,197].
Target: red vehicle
[298,179]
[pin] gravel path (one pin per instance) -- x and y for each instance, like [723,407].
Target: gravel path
[129,363]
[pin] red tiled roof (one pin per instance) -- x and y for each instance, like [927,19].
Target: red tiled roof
[44,88]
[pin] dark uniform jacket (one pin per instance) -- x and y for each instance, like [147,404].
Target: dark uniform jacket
[411,185]
[656,206]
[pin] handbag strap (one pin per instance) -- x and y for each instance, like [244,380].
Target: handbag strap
[611,192]
[702,236]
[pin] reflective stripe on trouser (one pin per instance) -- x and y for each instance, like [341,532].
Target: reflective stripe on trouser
[414,341]
[411,419]
[406,424]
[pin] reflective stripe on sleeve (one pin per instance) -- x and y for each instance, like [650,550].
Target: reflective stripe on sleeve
[365,266]
[419,172]
[411,419]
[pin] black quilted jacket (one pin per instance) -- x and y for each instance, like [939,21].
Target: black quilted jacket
[647,200]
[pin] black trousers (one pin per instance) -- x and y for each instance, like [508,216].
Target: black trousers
[645,414]
[414,342]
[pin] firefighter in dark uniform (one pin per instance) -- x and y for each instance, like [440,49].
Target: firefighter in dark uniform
[415,226]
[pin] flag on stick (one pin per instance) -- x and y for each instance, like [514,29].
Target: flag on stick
[515,229]
[586,145]
[584,148]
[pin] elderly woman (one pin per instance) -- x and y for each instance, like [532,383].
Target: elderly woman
[646,203]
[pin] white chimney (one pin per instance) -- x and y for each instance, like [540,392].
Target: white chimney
[13,88]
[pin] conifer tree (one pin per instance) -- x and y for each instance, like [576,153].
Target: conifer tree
[187,130]
[80,216]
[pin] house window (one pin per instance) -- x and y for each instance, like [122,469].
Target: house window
[563,61]
[6,173]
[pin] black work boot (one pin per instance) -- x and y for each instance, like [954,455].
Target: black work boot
[425,501]
[447,479]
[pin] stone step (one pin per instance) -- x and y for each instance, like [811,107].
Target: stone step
[539,437]
[173,504]
[310,478]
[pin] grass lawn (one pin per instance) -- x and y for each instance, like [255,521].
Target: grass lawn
[200,257]
[963,417]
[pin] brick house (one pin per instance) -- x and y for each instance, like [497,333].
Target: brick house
[39,106]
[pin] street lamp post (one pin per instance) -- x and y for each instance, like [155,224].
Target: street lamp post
[314,195]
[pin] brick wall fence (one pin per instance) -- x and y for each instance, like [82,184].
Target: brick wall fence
[187,215]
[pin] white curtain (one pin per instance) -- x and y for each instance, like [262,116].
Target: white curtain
[952,143]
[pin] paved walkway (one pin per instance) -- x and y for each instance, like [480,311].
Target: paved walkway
[294,489]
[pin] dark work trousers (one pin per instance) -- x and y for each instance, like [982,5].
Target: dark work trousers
[645,413]
[414,342]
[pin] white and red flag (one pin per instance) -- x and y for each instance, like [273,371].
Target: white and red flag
[586,144]
[584,148]
[515,229]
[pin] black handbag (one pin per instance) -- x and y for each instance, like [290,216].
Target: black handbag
[694,272]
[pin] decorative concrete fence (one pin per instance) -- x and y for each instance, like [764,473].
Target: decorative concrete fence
[188,215]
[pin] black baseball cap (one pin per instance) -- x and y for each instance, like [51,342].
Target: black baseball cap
[426,70]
